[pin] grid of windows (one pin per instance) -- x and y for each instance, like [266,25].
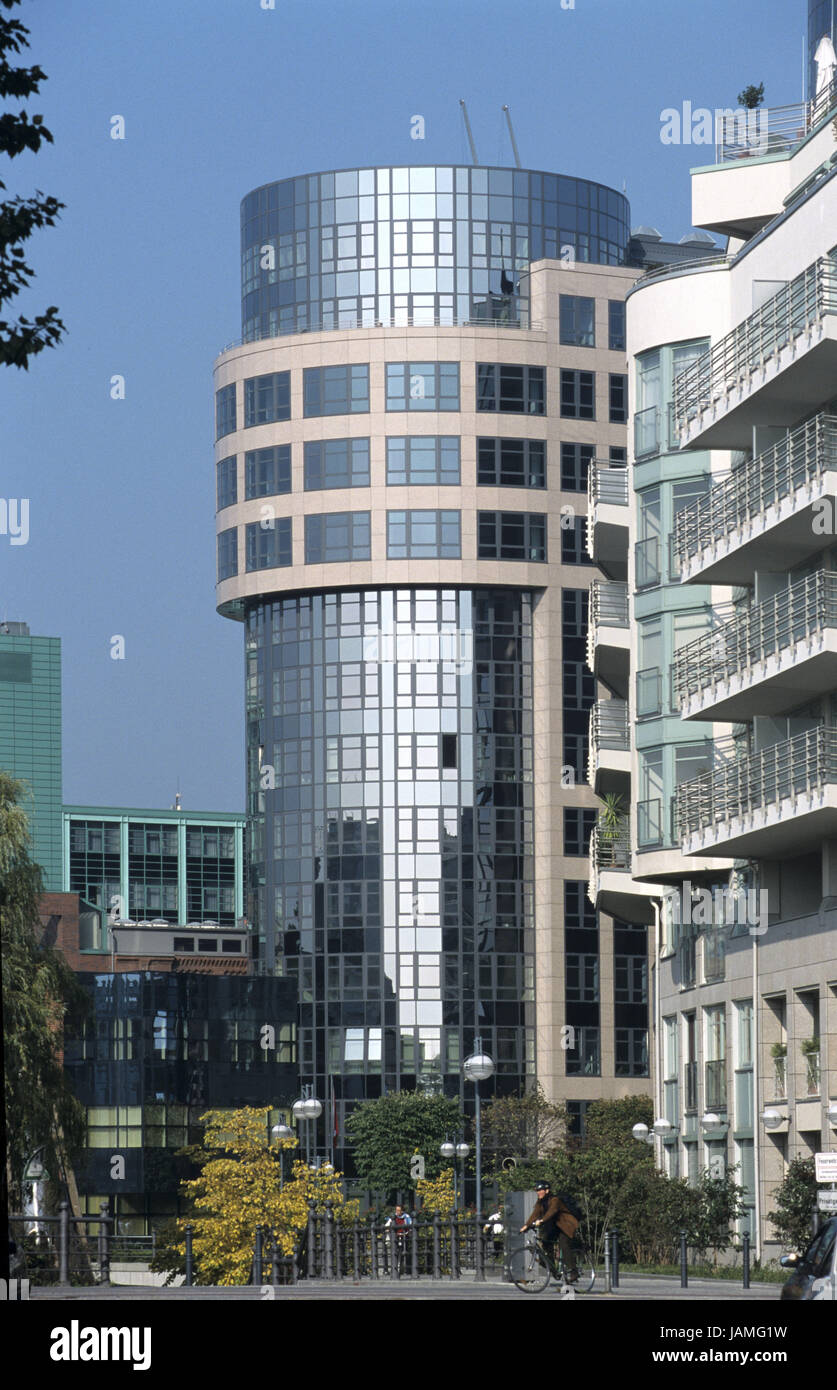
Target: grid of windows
[418,459]
[618,399]
[423,535]
[574,542]
[577,321]
[578,827]
[269,545]
[398,870]
[333,463]
[335,390]
[413,246]
[582,978]
[267,399]
[616,325]
[575,465]
[227,554]
[631,1046]
[340,536]
[511,463]
[517,390]
[267,472]
[422,385]
[630,979]
[225,419]
[575,605]
[578,395]
[226,483]
[511,536]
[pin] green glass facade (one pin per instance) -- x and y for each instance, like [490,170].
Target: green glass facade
[30,736]
[174,866]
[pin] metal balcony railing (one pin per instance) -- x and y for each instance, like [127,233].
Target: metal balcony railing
[611,849]
[368,320]
[609,726]
[798,306]
[608,608]
[779,472]
[799,765]
[812,1073]
[715,1080]
[802,610]
[780,1078]
[607,483]
[769,130]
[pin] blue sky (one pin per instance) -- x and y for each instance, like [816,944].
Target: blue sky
[219,96]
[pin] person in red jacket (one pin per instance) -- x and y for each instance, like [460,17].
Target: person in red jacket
[555,1222]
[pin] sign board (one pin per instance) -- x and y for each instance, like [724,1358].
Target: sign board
[825,1167]
[827,1201]
[35,1172]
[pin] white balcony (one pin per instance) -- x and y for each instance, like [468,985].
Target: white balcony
[781,800]
[608,635]
[768,506]
[607,518]
[774,657]
[778,363]
[609,762]
[610,886]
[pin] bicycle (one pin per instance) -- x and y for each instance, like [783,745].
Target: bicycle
[531,1267]
[397,1241]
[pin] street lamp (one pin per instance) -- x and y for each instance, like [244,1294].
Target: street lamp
[661,1129]
[772,1119]
[305,1109]
[282,1131]
[453,1151]
[478,1067]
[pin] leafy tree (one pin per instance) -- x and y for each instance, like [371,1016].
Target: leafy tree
[795,1198]
[612,1121]
[720,1205]
[652,1211]
[522,1127]
[20,217]
[387,1133]
[437,1193]
[40,997]
[751,97]
[238,1189]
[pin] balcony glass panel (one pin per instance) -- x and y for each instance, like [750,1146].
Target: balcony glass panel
[647,432]
[649,692]
[647,562]
[649,823]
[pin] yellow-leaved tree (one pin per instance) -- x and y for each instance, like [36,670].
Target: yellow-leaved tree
[240,1188]
[437,1193]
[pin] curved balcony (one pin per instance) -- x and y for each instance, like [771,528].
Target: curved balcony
[768,505]
[607,518]
[780,800]
[773,365]
[771,659]
[609,763]
[608,636]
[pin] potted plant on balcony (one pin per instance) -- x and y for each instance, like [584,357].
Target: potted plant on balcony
[809,1046]
[611,817]
[779,1050]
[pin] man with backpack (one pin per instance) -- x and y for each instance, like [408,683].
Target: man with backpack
[557,1221]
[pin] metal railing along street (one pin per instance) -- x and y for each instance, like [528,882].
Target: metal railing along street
[797,307]
[779,472]
[801,611]
[800,765]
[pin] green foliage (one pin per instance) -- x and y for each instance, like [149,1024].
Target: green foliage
[720,1206]
[40,998]
[795,1198]
[653,1210]
[19,217]
[436,1194]
[751,97]
[522,1127]
[611,820]
[386,1133]
[611,1121]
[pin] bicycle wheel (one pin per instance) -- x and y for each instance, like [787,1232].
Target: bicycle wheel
[529,1268]
[586,1270]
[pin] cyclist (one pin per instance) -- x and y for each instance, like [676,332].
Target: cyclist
[555,1222]
[398,1225]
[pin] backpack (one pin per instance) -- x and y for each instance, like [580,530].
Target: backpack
[572,1207]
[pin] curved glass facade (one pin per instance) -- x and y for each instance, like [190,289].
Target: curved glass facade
[421,245]
[390,776]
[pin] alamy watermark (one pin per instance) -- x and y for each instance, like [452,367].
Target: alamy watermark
[14,519]
[454,647]
[741,127]
[719,907]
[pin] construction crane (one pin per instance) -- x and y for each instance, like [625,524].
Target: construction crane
[511,134]
[474,158]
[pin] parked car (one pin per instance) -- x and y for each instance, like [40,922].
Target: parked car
[815,1270]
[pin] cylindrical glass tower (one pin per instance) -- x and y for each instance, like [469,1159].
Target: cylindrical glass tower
[431,358]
